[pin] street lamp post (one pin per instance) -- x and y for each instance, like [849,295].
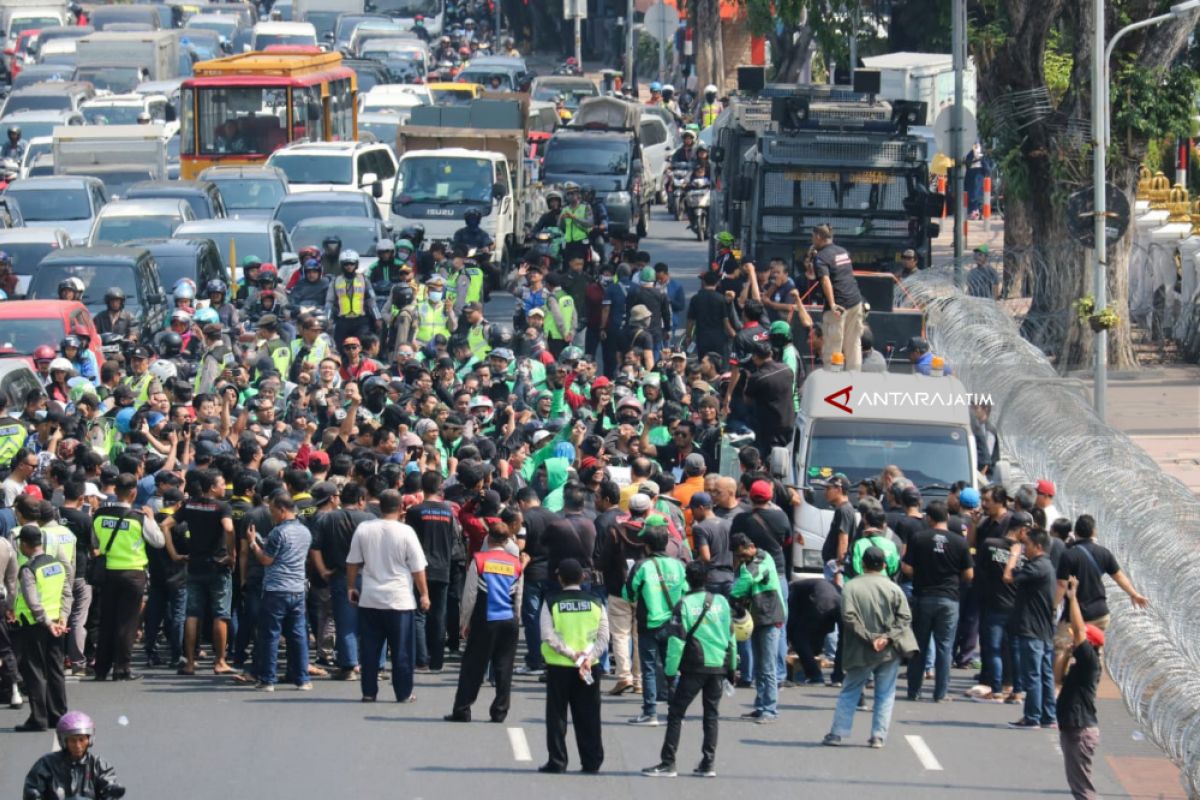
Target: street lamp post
[1100,132]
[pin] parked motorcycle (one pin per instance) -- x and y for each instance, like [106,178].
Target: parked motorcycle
[697,201]
[677,181]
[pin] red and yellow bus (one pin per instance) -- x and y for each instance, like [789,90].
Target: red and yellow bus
[241,108]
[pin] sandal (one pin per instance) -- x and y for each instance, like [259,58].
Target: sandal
[185,671]
[317,672]
[227,671]
[245,678]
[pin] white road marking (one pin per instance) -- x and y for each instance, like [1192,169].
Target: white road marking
[924,754]
[520,747]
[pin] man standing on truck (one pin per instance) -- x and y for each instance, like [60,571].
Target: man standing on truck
[843,318]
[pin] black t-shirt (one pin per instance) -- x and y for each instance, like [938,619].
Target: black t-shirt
[769,529]
[561,541]
[260,517]
[938,559]
[990,559]
[714,532]
[1093,599]
[743,345]
[332,534]
[434,523]
[206,539]
[843,522]
[773,416]
[906,527]
[638,340]
[585,529]
[1077,700]
[709,310]
[835,262]
[536,520]
[1033,609]
[1055,553]
[79,522]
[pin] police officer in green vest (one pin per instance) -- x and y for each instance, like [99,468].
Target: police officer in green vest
[42,607]
[561,316]
[468,283]
[139,377]
[702,652]
[574,632]
[576,221]
[269,344]
[476,328]
[12,434]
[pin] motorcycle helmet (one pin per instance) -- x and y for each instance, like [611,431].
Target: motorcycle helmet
[348,258]
[571,354]
[205,316]
[163,370]
[75,723]
[268,276]
[125,419]
[374,384]
[554,194]
[655,86]
[482,409]
[43,352]
[184,289]
[710,91]
[215,287]
[72,284]
[692,128]
[309,252]
[251,262]
[170,344]
[61,364]
[743,627]
[414,233]
[386,245]
[472,216]
[70,341]
[500,334]
[332,240]
[115,293]
[668,91]
[179,315]
[79,388]
[689,134]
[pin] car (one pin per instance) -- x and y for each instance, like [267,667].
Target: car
[608,161]
[655,138]
[366,31]
[58,52]
[102,17]
[42,166]
[268,34]
[48,96]
[248,191]
[101,268]
[360,234]
[195,259]
[547,88]
[67,202]
[345,25]
[124,109]
[126,220]
[203,196]
[168,88]
[117,178]
[674,135]
[266,239]
[31,74]
[17,376]
[205,44]
[226,26]
[354,166]
[26,247]
[513,73]
[10,213]
[39,123]
[38,145]
[454,94]
[393,96]
[405,53]
[382,125]
[29,324]
[369,73]
[301,206]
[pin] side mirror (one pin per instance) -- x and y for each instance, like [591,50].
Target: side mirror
[288,258]
[169,114]
[637,165]
[717,154]
[499,190]
[367,179]
[377,190]
[328,36]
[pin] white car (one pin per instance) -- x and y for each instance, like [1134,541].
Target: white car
[350,166]
[656,144]
[60,201]
[124,109]
[265,239]
[394,96]
[125,220]
[37,146]
[267,34]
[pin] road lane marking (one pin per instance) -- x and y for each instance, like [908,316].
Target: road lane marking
[520,746]
[924,754]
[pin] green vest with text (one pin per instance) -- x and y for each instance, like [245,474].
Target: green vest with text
[431,320]
[477,341]
[51,578]
[12,439]
[566,308]
[128,552]
[141,387]
[474,284]
[576,616]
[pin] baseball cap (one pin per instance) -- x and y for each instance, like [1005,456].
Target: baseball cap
[700,500]
[268,321]
[969,498]
[761,491]
[140,352]
[1020,519]
[640,503]
[910,253]
[648,488]
[916,345]
[873,558]
[473,307]
[694,464]
[541,436]
[983,248]
[318,457]
[212,329]
[536,312]
[779,327]
[34,491]
[323,492]
[1045,487]
[1095,636]
[839,480]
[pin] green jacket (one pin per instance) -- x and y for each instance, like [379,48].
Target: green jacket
[556,479]
[891,554]
[711,648]
[759,582]
[655,584]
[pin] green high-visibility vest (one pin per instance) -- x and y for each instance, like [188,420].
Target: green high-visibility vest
[576,615]
[128,552]
[431,320]
[574,231]
[59,541]
[12,439]
[281,357]
[141,387]
[474,284]
[51,577]
[566,307]
[477,341]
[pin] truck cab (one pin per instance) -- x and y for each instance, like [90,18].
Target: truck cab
[436,187]
[857,423]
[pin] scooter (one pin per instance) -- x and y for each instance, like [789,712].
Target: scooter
[677,180]
[696,201]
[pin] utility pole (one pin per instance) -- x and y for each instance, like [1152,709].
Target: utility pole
[630,79]
[499,42]
[579,43]
[959,46]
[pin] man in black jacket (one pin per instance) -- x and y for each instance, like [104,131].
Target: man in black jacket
[436,528]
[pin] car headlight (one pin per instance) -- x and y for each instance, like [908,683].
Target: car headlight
[812,558]
[620,198]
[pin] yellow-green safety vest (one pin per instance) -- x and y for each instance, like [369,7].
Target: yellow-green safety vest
[12,439]
[431,320]
[572,230]
[318,351]
[141,387]
[128,552]
[474,285]
[351,296]
[57,541]
[709,113]
[576,616]
[51,577]
[477,341]
[566,307]
[281,356]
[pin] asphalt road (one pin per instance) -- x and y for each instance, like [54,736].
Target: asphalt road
[202,737]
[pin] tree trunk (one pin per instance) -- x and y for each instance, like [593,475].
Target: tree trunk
[706,43]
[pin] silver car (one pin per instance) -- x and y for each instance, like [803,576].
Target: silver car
[67,202]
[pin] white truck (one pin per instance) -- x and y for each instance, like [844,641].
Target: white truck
[118,61]
[80,148]
[927,77]
[453,159]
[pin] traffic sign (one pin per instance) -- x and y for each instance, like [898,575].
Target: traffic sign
[574,9]
[1081,215]
[661,22]
[945,137]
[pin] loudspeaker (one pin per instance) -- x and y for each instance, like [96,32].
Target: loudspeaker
[867,81]
[907,113]
[751,78]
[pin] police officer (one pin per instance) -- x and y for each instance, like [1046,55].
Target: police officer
[710,109]
[400,310]
[475,328]
[576,222]
[470,284]
[309,349]
[269,344]
[350,302]
[121,534]
[701,618]
[434,313]
[41,610]
[139,377]
[491,605]
[574,632]
[13,434]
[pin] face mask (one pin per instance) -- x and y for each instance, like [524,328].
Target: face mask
[435,297]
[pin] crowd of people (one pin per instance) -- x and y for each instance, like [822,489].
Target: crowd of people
[370,486]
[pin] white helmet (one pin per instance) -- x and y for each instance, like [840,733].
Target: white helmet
[710,89]
[668,87]
[63,364]
[163,370]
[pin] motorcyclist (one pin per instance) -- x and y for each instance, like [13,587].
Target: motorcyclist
[415,233]
[183,295]
[554,202]
[331,250]
[599,220]
[576,221]
[510,48]
[248,283]
[190,344]
[216,291]
[670,103]
[687,151]
[74,771]
[655,94]
[386,269]
[472,235]
[312,288]
[445,51]
[429,261]
[83,361]
[350,301]
[703,167]
[71,289]
[114,318]
[710,109]
[14,148]
[419,30]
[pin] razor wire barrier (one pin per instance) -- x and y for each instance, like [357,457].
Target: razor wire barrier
[1149,520]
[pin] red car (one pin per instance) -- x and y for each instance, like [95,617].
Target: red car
[28,324]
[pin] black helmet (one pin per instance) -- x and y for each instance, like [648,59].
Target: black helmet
[473,215]
[500,334]
[170,344]
[458,340]
[215,287]
[374,384]
[115,293]
[70,341]
[332,239]
[402,295]
[414,233]
[14,129]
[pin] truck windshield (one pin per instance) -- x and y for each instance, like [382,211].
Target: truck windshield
[583,157]
[51,205]
[97,279]
[408,8]
[112,115]
[304,168]
[264,40]
[242,119]
[431,179]
[928,454]
[118,80]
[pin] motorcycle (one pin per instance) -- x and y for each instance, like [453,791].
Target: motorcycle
[10,170]
[696,201]
[677,180]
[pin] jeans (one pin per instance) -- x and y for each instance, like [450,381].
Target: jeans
[77,637]
[652,649]
[936,618]
[1035,663]
[993,641]
[377,626]
[782,648]
[531,610]
[166,608]
[765,642]
[283,613]
[345,622]
[885,675]
[966,640]
[431,628]
[248,622]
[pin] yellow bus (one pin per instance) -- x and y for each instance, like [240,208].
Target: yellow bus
[241,108]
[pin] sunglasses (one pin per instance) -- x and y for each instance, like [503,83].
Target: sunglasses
[353,347]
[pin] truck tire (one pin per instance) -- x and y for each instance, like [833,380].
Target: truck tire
[644,222]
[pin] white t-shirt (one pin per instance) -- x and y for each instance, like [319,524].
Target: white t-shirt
[390,554]
[12,490]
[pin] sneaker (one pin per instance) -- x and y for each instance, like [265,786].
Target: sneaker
[528,671]
[660,771]
[990,697]
[645,720]
[17,701]
[264,687]
[767,719]
[1015,698]
[705,770]
[787,685]
[875,743]
[752,715]
[304,687]
[346,674]
[832,740]
[1025,725]
[834,684]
